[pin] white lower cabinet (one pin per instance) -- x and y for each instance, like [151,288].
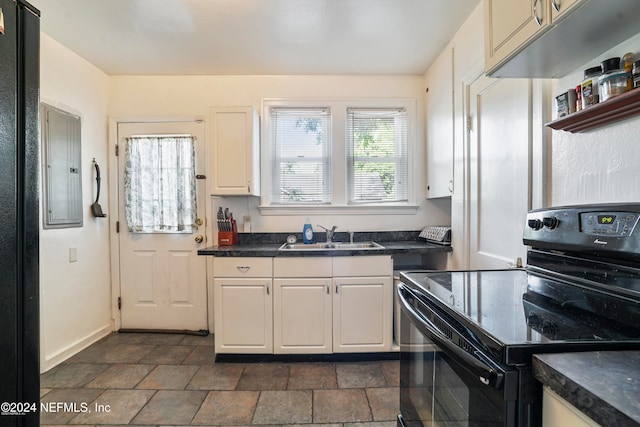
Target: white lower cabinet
[309,305]
[362,304]
[302,305]
[302,316]
[243,318]
[243,305]
[558,412]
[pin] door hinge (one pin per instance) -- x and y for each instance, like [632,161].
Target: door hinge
[117,226]
[119,303]
[469,123]
[117,150]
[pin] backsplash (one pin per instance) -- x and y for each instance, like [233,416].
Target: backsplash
[320,236]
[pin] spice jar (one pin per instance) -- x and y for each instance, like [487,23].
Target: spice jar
[578,97]
[590,87]
[636,74]
[627,66]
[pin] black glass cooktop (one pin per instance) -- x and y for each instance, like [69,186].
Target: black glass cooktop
[515,313]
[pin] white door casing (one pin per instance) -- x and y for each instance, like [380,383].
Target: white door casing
[162,279]
[499,193]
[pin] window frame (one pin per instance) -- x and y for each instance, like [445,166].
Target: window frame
[325,159]
[339,135]
[401,162]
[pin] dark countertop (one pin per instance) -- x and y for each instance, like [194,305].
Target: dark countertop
[604,385]
[267,244]
[271,250]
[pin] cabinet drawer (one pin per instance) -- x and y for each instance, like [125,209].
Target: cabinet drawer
[302,267]
[362,266]
[242,267]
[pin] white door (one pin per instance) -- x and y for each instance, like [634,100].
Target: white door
[162,278]
[499,170]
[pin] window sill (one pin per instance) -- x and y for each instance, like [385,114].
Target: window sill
[338,210]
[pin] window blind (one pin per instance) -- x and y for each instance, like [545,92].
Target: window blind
[377,155]
[301,155]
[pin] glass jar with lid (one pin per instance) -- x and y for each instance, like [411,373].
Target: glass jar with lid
[613,81]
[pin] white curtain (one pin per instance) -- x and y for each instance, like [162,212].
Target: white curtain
[160,184]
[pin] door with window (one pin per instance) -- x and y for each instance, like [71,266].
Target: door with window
[162,225]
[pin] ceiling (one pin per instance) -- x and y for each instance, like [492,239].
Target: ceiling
[255,37]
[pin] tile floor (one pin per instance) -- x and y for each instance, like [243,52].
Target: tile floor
[172,380]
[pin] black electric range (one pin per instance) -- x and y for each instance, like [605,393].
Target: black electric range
[477,330]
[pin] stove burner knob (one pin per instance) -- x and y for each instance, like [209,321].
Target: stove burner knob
[549,329]
[550,222]
[536,224]
[533,320]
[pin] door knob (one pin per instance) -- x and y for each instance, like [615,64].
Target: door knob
[199,238]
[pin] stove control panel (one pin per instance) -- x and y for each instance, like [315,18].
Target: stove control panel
[601,228]
[608,223]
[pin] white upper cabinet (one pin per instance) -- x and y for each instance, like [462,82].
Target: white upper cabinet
[439,123]
[234,163]
[551,38]
[509,25]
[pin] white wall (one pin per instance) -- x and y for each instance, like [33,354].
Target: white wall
[193,95]
[598,166]
[75,298]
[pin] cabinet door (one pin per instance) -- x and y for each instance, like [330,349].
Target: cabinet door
[560,8]
[558,412]
[243,315]
[235,151]
[439,102]
[302,315]
[509,25]
[362,312]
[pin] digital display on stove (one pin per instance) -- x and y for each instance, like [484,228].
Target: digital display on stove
[615,224]
[606,219]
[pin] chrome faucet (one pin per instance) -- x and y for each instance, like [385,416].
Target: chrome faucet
[329,232]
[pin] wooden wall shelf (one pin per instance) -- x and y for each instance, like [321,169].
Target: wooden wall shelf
[609,111]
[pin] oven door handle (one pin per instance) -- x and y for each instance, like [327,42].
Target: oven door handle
[488,375]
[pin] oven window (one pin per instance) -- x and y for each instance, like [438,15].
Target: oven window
[436,391]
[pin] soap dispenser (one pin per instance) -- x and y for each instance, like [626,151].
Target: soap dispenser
[307,232]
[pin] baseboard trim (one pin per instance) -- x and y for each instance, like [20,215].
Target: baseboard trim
[292,358]
[50,361]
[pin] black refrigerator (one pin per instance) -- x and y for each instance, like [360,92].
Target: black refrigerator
[19,217]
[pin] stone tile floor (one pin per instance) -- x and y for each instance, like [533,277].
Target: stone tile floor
[172,380]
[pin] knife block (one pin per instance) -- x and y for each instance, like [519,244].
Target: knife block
[227,238]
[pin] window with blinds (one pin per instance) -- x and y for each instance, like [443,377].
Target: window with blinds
[349,155]
[301,155]
[377,155]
